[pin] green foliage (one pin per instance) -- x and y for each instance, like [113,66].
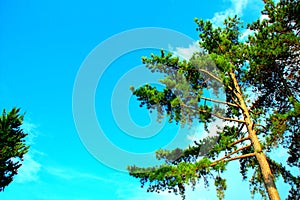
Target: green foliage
[184,85]
[12,145]
[261,80]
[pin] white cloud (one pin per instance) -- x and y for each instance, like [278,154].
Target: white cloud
[29,170]
[245,34]
[237,7]
[31,130]
[263,17]
[69,174]
[131,192]
[219,17]
[186,53]
[198,132]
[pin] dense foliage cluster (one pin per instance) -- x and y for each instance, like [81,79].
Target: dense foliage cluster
[12,145]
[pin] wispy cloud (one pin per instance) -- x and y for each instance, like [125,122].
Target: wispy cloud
[131,192]
[198,132]
[32,130]
[237,7]
[245,34]
[28,172]
[186,52]
[70,174]
[263,17]
[30,168]
[248,32]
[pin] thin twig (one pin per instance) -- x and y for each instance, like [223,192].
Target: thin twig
[217,101]
[260,126]
[238,141]
[228,119]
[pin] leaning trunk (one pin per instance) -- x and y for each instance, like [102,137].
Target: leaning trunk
[260,156]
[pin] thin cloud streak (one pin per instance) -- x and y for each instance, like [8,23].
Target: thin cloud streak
[68,174]
[29,171]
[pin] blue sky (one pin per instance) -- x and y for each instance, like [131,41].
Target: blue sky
[44,44]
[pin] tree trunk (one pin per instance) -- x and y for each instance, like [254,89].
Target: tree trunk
[260,156]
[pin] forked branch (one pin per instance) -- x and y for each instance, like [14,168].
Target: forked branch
[234,158]
[230,154]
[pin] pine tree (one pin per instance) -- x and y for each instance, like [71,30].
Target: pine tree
[260,80]
[12,146]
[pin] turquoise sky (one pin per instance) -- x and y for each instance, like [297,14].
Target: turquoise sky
[45,45]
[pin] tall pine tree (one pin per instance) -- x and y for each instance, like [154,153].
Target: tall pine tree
[260,79]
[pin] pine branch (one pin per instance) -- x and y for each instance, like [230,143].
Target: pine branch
[235,158]
[240,129]
[222,102]
[238,141]
[260,126]
[218,79]
[241,156]
[228,119]
[230,154]
[218,116]
[235,101]
[210,74]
